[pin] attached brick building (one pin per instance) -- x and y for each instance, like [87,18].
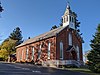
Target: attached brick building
[60,46]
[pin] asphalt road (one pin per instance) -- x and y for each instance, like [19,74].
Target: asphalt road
[26,69]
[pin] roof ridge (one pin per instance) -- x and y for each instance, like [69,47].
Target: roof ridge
[42,36]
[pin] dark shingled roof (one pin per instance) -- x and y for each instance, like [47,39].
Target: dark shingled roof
[42,36]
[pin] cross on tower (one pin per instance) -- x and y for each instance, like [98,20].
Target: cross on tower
[68,3]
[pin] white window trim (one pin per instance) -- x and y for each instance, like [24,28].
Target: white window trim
[49,45]
[70,18]
[19,55]
[27,53]
[39,52]
[32,53]
[22,54]
[67,19]
[61,48]
[70,39]
[78,54]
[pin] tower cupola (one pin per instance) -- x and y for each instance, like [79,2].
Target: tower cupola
[69,18]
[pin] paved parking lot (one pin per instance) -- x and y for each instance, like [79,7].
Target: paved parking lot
[26,69]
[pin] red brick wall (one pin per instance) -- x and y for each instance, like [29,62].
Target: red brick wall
[55,47]
[64,37]
[44,50]
[77,41]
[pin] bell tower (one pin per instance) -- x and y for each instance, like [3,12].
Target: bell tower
[69,17]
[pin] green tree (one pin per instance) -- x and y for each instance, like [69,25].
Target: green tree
[77,23]
[1,9]
[94,54]
[16,35]
[3,54]
[0,47]
[61,23]
[9,45]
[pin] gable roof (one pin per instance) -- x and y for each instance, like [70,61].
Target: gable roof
[46,35]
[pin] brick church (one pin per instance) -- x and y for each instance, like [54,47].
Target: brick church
[60,46]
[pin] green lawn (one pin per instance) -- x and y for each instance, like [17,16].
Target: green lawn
[83,70]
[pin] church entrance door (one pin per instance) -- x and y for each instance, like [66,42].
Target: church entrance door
[74,55]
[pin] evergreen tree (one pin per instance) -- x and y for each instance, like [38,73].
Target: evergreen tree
[77,25]
[61,23]
[54,27]
[16,35]
[94,54]
[1,9]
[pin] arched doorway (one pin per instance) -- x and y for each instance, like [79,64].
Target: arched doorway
[74,55]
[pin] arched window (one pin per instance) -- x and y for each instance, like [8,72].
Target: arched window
[49,44]
[64,20]
[61,50]
[67,18]
[70,39]
[22,55]
[70,19]
[78,54]
[27,53]
[39,52]
[32,53]
[73,19]
[18,53]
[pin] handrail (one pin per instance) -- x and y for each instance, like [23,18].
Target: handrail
[61,62]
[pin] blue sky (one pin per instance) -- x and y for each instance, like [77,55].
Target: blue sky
[38,16]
